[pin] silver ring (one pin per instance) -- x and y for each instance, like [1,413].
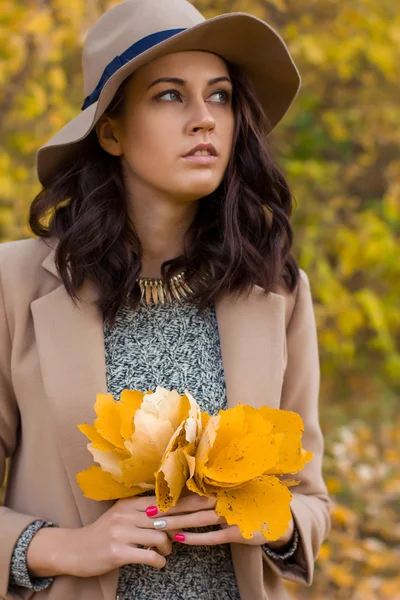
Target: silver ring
[160,524]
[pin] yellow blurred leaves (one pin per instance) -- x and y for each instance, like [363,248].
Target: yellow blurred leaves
[57,79]
[344,516]
[333,484]
[360,557]
[39,22]
[341,575]
[374,310]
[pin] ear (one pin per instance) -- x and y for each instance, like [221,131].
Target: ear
[108,136]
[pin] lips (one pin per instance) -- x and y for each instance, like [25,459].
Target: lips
[203,147]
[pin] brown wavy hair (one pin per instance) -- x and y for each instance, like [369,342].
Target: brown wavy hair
[241,233]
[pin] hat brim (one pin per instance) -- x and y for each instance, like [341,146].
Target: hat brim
[240,38]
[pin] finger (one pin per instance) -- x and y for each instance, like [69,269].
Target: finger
[154,539]
[171,534]
[186,520]
[127,534]
[135,503]
[187,492]
[131,555]
[211,538]
[191,504]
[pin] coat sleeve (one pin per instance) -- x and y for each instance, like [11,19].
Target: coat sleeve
[310,505]
[12,524]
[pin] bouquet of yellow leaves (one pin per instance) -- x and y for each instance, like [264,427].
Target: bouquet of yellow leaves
[162,441]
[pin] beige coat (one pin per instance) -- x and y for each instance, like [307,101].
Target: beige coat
[52,366]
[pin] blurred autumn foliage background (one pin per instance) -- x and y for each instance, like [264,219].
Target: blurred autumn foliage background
[339,146]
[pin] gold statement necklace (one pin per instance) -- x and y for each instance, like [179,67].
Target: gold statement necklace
[156,290]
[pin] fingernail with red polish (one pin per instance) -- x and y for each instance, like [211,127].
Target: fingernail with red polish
[151,511]
[179,537]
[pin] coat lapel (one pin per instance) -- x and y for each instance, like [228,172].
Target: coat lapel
[253,347]
[71,350]
[71,353]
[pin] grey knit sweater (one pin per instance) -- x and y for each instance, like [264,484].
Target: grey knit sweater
[175,347]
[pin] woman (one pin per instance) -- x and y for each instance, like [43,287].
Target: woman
[167,263]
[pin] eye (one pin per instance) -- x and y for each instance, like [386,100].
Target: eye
[224,96]
[174,93]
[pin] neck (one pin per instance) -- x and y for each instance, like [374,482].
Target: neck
[161,226]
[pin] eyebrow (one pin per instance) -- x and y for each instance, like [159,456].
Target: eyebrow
[179,81]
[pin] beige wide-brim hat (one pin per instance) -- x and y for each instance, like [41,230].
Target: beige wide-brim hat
[135,32]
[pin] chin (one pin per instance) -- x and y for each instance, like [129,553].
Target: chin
[199,189]
[195,194]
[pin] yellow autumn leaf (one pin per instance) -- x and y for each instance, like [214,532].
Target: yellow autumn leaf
[139,438]
[107,438]
[231,424]
[171,479]
[289,482]
[240,453]
[96,484]
[114,424]
[129,403]
[292,457]
[259,505]
[108,422]
[196,479]
[191,483]
[236,446]
[174,469]
[110,461]
[204,419]
[155,425]
[96,439]
[249,454]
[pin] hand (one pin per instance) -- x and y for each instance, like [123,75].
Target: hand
[198,511]
[282,541]
[106,544]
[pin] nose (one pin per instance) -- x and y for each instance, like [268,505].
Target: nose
[202,119]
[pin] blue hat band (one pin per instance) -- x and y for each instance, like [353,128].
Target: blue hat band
[132,52]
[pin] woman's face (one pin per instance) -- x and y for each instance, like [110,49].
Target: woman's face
[164,120]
